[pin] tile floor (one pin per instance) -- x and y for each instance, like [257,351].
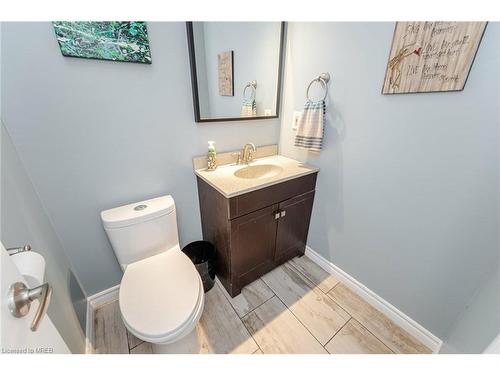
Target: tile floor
[296,308]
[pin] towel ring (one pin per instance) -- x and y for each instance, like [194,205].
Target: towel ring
[323,79]
[252,85]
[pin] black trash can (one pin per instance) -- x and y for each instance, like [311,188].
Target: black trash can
[202,254]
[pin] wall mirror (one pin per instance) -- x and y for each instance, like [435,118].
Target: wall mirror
[236,69]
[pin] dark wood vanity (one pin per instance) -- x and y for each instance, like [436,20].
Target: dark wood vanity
[256,231]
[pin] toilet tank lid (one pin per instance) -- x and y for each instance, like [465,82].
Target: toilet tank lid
[137,212]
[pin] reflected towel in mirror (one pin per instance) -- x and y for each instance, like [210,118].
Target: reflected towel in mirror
[249,108]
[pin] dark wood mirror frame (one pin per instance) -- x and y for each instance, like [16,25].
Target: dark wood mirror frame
[194,80]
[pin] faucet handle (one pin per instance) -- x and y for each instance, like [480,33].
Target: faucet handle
[237,154]
[250,155]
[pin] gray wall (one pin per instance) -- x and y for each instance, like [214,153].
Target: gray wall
[0,69]
[98,134]
[24,221]
[407,194]
[256,57]
[479,323]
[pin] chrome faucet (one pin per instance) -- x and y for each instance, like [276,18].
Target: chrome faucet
[247,153]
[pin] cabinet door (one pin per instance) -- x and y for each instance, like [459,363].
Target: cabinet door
[293,226]
[253,243]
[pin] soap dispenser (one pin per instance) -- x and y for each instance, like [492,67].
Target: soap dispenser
[211,156]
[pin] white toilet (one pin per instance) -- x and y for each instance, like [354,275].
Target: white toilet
[161,293]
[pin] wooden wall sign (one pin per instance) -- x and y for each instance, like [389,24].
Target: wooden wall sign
[431,56]
[225,67]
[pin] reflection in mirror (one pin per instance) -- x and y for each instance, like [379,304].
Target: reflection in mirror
[235,69]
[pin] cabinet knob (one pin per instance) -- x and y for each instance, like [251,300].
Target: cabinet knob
[277,215]
[283,213]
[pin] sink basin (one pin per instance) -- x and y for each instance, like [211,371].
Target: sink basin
[258,171]
[232,179]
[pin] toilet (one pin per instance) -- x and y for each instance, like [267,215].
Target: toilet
[161,293]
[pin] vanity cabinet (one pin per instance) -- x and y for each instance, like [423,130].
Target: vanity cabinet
[291,235]
[253,242]
[256,231]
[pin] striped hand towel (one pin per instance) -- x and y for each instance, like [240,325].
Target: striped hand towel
[311,126]
[249,108]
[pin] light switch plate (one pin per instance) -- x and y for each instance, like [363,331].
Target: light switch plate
[295,120]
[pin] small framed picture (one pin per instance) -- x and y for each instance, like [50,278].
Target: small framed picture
[226,78]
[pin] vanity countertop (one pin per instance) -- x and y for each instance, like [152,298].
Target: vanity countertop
[272,169]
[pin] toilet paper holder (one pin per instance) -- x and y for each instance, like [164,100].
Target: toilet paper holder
[21,296]
[17,250]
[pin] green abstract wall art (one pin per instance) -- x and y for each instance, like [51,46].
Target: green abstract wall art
[110,40]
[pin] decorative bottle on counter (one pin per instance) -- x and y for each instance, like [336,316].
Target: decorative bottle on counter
[211,156]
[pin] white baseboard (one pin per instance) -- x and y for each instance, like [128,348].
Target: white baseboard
[93,302]
[401,319]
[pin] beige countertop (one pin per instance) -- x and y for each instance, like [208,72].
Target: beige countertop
[224,180]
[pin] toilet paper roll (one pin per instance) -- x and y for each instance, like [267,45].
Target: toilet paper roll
[32,266]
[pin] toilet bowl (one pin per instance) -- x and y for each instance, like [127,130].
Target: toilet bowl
[161,293]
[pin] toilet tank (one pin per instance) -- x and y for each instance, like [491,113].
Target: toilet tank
[140,230]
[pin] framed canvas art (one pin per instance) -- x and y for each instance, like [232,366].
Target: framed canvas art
[110,40]
[431,56]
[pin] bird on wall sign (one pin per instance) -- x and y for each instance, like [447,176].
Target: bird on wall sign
[428,56]
[395,63]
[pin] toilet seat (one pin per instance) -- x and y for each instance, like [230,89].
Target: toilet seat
[161,297]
